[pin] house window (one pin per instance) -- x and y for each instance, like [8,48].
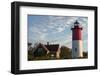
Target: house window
[40,49]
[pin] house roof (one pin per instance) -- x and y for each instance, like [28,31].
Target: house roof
[50,47]
[53,47]
[41,46]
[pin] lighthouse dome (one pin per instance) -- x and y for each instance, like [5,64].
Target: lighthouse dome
[76,23]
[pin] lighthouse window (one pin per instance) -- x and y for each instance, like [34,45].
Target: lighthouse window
[75,49]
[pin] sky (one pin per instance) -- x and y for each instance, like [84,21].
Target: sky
[55,29]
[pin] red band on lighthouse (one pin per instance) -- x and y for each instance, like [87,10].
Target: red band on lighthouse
[77,35]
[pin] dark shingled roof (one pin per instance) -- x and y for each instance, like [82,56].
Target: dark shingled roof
[53,47]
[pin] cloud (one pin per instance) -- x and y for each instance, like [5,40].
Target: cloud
[36,33]
[57,23]
[44,30]
[43,36]
[60,29]
[65,40]
[63,22]
[71,20]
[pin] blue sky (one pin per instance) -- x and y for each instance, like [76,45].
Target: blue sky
[55,29]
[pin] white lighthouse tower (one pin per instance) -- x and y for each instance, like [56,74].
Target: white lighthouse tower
[77,47]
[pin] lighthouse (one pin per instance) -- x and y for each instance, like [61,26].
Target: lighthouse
[77,47]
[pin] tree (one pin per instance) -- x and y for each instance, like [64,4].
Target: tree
[29,44]
[85,55]
[65,53]
[29,47]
